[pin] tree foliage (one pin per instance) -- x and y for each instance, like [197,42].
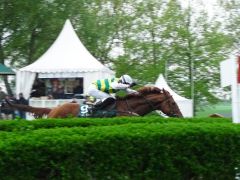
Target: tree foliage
[156,36]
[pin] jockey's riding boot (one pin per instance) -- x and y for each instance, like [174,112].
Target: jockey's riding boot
[105,103]
[97,104]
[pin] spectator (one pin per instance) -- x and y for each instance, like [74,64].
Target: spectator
[14,112]
[6,112]
[22,100]
[38,88]
[78,89]
[57,89]
[2,97]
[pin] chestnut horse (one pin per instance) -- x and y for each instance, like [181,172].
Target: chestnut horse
[147,100]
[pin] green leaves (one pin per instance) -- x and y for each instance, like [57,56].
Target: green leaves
[150,148]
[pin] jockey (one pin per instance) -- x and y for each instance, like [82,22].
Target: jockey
[104,88]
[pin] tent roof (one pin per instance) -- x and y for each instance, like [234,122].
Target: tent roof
[67,54]
[4,70]
[161,83]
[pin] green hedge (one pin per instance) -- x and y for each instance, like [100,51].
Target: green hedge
[168,149]
[23,125]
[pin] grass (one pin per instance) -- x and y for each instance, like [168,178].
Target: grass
[223,108]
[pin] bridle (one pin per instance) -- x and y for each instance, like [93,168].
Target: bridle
[172,112]
[154,107]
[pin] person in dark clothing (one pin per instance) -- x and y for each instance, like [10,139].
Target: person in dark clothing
[6,112]
[38,89]
[78,89]
[22,100]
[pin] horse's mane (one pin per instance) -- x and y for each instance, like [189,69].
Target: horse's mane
[149,89]
[143,91]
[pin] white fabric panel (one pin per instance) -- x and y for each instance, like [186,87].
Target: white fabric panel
[185,105]
[228,69]
[68,74]
[24,82]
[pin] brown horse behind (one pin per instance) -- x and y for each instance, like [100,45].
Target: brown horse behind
[149,99]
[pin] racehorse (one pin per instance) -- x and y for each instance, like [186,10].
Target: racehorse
[147,100]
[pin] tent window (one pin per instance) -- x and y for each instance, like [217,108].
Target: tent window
[58,88]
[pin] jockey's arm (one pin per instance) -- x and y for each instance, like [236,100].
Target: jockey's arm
[126,87]
[130,91]
[116,85]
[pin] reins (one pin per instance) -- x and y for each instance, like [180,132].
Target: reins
[126,112]
[149,102]
[128,106]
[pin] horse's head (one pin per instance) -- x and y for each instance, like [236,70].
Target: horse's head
[160,99]
[169,106]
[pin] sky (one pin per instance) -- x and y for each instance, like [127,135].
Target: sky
[208,5]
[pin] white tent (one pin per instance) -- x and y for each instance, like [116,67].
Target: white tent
[66,58]
[185,105]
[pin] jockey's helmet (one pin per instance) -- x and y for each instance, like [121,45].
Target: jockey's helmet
[126,79]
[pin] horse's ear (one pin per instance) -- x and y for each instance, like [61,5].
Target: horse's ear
[165,91]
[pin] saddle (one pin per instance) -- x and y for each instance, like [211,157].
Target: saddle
[106,108]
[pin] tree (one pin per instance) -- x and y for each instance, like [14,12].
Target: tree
[200,46]
[7,26]
[231,20]
[165,38]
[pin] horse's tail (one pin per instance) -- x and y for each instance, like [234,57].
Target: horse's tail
[36,111]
